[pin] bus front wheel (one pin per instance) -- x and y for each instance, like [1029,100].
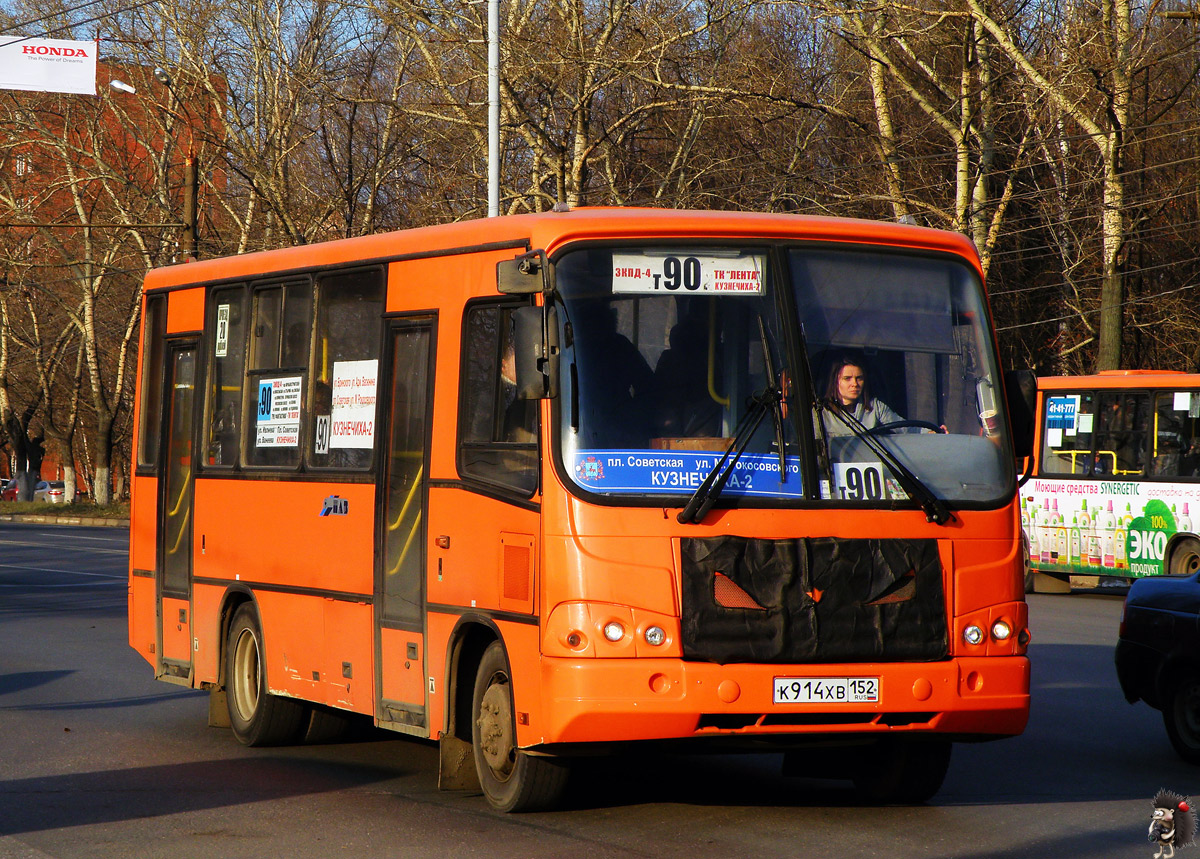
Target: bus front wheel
[257,717]
[903,771]
[512,780]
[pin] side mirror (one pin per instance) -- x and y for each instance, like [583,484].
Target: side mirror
[524,275]
[535,346]
[1020,393]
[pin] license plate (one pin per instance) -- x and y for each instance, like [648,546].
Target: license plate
[826,690]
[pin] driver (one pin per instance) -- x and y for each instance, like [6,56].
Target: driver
[848,390]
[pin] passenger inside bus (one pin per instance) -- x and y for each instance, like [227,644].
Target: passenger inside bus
[519,423]
[619,381]
[685,404]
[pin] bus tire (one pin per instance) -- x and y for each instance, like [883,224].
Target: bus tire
[1181,717]
[1185,557]
[327,724]
[903,771]
[257,717]
[511,779]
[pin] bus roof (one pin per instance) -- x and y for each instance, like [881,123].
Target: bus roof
[1121,379]
[550,230]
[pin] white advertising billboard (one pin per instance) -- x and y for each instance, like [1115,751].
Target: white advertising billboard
[48,65]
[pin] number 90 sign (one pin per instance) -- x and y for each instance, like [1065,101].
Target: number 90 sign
[684,272]
[859,481]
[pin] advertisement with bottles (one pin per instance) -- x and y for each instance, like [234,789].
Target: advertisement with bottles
[1104,528]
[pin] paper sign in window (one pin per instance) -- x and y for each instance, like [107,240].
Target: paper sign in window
[352,423]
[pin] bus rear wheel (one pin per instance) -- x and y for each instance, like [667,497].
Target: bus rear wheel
[512,779]
[903,771]
[257,717]
[1185,557]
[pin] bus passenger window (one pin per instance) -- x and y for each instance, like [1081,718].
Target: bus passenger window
[497,431]
[1121,421]
[151,383]
[223,413]
[150,430]
[282,326]
[1068,426]
[1176,448]
[345,370]
[282,329]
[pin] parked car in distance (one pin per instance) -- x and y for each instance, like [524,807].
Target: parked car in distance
[10,490]
[46,491]
[55,493]
[1158,655]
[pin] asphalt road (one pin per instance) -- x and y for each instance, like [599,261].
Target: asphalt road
[97,759]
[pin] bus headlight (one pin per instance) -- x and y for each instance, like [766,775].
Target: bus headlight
[655,635]
[613,631]
[1001,630]
[973,634]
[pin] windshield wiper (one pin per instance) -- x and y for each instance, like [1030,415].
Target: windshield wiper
[710,490]
[934,508]
[776,405]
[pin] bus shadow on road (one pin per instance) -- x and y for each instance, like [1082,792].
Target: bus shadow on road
[113,795]
[23,681]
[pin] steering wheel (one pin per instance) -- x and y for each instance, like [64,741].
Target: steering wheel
[880,429]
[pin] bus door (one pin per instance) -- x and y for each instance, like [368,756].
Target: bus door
[175,513]
[400,576]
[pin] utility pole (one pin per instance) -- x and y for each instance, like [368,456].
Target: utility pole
[493,37]
[191,191]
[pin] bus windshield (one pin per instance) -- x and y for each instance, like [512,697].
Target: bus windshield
[674,356]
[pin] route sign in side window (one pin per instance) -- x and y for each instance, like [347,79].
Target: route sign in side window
[282,320]
[1068,424]
[342,431]
[227,376]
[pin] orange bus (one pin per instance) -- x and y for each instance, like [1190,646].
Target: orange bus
[1115,480]
[542,486]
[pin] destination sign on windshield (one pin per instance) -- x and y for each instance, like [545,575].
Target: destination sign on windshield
[686,272]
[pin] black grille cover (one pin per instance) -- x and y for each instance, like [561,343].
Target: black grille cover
[822,600]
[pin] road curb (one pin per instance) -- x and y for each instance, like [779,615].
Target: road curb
[64,519]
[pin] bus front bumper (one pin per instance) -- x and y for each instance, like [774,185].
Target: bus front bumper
[614,700]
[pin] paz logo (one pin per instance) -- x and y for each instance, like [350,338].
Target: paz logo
[335,506]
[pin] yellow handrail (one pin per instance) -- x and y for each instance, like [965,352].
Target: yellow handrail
[408,501]
[187,479]
[712,356]
[182,528]
[407,545]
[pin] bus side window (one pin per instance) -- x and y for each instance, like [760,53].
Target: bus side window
[1068,424]
[150,418]
[227,374]
[1176,451]
[282,329]
[349,308]
[1122,420]
[497,432]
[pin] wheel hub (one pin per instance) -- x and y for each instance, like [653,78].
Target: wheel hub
[496,739]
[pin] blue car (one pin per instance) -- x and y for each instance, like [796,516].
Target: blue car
[1158,655]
